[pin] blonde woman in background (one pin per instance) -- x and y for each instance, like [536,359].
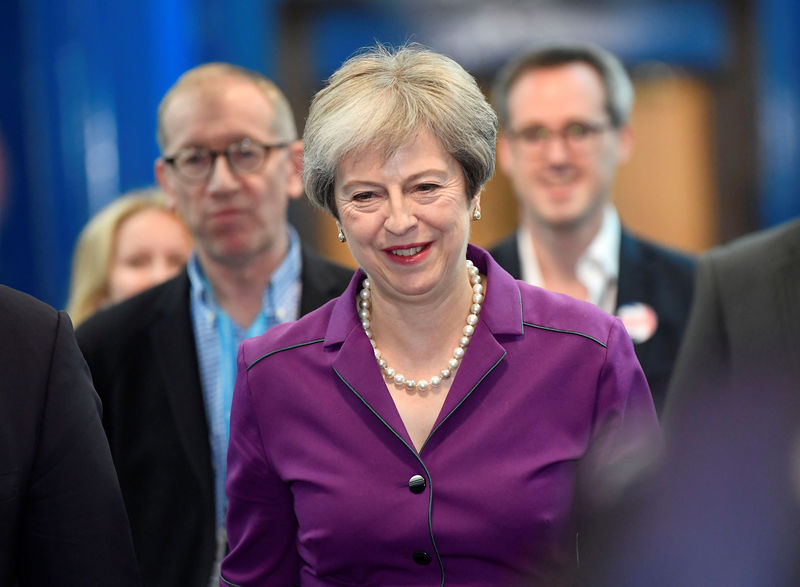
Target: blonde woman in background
[133,243]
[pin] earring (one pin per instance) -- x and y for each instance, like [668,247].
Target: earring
[341,236]
[476,214]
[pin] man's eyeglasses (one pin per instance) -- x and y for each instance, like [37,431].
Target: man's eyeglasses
[195,164]
[579,137]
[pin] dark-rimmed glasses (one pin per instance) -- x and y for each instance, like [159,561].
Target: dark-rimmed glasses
[195,164]
[579,137]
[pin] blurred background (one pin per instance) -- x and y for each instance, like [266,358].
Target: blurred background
[717,118]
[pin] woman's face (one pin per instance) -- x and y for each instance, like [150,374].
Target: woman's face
[150,246]
[406,218]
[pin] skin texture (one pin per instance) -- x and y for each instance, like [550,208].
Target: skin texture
[416,198]
[233,218]
[150,247]
[562,190]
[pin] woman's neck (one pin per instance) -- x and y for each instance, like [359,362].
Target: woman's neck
[418,337]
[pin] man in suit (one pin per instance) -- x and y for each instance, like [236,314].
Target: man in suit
[164,362]
[723,506]
[564,112]
[62,519]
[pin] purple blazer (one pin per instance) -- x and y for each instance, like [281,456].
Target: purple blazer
[324,484]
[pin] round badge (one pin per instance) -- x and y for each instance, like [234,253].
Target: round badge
[640,320]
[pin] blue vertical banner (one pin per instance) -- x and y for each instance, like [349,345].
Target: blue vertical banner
[779,109]
[82,81]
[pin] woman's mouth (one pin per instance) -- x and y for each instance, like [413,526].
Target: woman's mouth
[407,252]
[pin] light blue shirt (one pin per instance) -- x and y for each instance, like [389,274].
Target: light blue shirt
[218,338]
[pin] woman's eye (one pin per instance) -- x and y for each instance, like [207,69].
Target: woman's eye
[426,187]
[362,196]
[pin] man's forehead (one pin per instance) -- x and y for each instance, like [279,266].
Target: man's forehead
[574,85]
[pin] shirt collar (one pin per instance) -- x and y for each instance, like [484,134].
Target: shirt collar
[597,268]
[287,272]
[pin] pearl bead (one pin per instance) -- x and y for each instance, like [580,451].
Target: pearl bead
[458,353]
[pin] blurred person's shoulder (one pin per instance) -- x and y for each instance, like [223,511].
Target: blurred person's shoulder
[752,250]
[136,314]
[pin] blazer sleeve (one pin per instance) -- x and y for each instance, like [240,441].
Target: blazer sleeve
[625,435]
[75,531]
[261,524]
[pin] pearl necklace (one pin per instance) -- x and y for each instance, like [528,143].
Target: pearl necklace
[399,379]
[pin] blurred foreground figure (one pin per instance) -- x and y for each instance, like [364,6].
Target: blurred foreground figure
[62,520]
[723,508]
[565,117]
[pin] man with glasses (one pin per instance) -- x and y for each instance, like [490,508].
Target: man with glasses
[565,117]
[164,362]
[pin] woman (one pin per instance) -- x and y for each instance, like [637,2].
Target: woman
[133,243]
[431,425]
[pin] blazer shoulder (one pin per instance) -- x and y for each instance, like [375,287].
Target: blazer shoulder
[555,312]
[21,313]
[308,330]
[136,314]
[753,249]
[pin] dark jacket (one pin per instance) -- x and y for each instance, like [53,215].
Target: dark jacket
[143,359]
[650,274]
[62,519]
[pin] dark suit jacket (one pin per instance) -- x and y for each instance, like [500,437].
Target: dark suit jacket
[62,519]
[745,318]
[650,274]
[143,360]
[731,428]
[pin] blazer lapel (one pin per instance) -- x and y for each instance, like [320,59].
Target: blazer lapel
[173,343]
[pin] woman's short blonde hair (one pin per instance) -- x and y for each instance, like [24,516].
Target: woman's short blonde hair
[91,260]
[381,99]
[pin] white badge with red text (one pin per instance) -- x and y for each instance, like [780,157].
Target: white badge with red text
[640,320]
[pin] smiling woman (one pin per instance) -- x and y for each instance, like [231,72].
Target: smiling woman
[133,243]
[359,433]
